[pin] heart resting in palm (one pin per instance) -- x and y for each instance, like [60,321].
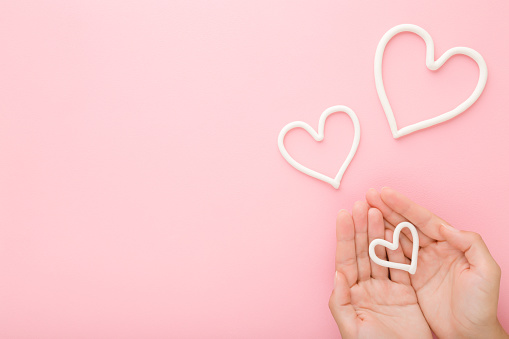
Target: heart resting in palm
[454,292]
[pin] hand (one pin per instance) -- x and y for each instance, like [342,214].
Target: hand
[365,303]
[457,280]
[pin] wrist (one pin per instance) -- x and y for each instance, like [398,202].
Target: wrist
[496,332]
[500,332]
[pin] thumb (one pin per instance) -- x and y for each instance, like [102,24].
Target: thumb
[473,246]
[341,307]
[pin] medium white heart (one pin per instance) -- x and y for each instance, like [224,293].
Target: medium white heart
[393,246]
[335,182]
[432,65]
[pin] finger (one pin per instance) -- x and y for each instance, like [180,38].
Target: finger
[390,226]
[346,259]
[406,244]
[474,247]
[375,200]
[397,255]
[341,307]
[423,219]
[376,231]
[360,220]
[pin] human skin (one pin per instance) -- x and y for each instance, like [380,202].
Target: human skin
[365,302]
[457,280]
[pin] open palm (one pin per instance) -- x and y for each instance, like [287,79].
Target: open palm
[448,289]
[457,280]
[366,303]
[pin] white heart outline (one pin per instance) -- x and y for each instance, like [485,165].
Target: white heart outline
[394,245]
[432,65]
[319,137]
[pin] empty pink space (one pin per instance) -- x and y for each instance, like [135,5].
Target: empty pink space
[142,192]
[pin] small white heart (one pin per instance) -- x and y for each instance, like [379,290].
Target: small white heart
[432,65]
[394,245]
[335,182]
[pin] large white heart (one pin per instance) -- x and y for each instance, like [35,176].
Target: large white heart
[393,246]
[432,65]
[319,137]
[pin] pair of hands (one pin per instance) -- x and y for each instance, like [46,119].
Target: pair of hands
[454,291]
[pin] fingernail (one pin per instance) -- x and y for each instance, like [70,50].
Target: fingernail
[336,280]
[450,228]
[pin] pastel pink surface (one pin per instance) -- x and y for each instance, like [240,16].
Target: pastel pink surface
[142,191]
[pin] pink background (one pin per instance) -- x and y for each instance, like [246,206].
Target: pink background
[142,193]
